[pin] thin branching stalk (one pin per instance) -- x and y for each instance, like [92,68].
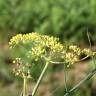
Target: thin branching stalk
[81,82]
[90,47]
[40,78]
[25,87]
[65,77]
[53,62]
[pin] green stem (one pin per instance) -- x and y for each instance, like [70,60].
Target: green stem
[81,82]
[40,78]
[56,62]
[65,78]
[25,87]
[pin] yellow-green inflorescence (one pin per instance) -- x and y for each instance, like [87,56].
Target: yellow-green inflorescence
[41,44]
[44,47]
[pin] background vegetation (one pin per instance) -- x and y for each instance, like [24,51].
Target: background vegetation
[67,19]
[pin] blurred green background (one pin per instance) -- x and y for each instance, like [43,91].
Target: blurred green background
[67,19]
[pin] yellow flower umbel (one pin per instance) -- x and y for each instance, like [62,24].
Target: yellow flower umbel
[37,47]
[41,44]
[40,47]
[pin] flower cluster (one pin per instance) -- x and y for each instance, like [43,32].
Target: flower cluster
[40,47]
[75,49]
[79,51]
[88,52]
[21,69]
[71,58]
